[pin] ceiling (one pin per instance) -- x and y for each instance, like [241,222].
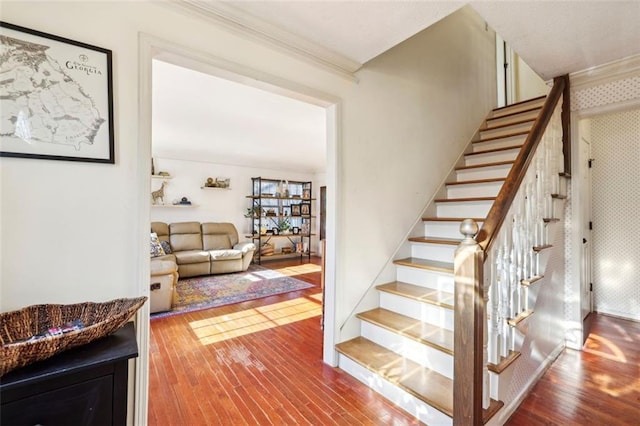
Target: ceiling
[211,119]
[553,37]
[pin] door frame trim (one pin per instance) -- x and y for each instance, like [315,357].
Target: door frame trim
[151,47]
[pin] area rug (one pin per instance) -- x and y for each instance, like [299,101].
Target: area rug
[194,294]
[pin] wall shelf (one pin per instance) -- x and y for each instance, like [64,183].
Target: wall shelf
[177,206]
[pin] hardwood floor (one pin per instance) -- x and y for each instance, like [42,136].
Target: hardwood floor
[270,374]
[273,373]
[597,386]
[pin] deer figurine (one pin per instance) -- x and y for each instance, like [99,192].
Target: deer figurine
[159,193]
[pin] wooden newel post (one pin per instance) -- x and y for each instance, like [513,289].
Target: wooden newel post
[469,325]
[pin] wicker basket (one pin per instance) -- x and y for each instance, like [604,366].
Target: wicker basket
[99,319]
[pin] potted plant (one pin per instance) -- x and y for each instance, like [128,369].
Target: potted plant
[284,225]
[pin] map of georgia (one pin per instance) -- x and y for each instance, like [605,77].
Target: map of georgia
[39,101]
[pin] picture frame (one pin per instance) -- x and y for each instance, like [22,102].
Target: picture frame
[295,210]
[71,85]
[306,193]
[295,230]
[275,230]
[305,209]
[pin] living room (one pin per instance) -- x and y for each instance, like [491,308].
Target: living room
[212,137]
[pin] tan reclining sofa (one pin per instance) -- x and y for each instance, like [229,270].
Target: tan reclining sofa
[204,248]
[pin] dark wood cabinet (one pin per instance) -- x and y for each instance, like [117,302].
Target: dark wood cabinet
[82,386]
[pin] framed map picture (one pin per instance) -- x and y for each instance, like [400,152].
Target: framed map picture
[56,97]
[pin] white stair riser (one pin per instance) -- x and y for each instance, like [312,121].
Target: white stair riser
[527,115]
[517,108]
[508,130]
[425,312]
[490,172]
[464,209]
[491,157]
[412,405]
[425,278]
[417,352]
[434,228]
[485,189]
[439,252]
[498,143]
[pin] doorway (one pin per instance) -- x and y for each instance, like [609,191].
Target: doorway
[585,162]
[616,197]
[152,48]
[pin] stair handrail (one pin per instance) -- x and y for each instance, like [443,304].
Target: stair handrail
[507,193]
[472,286]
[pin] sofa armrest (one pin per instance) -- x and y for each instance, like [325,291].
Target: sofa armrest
[245,247]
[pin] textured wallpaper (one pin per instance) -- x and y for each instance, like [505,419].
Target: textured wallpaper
[616,209]
[606,94]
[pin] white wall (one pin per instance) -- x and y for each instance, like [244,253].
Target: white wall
[213,204]
[70,231]
[413,112]
[528,84]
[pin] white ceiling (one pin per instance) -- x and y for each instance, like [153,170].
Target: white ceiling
[553,37]
[200,117]
[219,121]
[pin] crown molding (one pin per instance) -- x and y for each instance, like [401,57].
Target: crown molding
[249,26]
[606,73]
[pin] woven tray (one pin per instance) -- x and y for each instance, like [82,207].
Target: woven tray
[99,319]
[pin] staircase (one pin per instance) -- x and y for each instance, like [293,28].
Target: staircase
[405,347]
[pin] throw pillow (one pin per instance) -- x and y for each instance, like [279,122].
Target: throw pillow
[166,247]
[156,247]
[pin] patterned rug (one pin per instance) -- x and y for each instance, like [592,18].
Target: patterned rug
[194,294]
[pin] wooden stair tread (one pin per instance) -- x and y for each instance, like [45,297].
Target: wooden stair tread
[538,249]
[519,103]
[513,322]
[524,111]
[422,294]
[550,219]
[454,200]
[432,265]
[494,150]
[435,240]
[529,281]
[514,123]
[504,363]
[427,334]
[559,196]
[476,166]
[449,219]
[427,385]
[476,181]
[509,135]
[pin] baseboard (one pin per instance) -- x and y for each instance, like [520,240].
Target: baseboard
[618,316]
[510,408]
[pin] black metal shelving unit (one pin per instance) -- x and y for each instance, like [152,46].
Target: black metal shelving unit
[274,201]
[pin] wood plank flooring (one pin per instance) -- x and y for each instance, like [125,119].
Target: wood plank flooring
[597,386]
[273,374]
[276,375]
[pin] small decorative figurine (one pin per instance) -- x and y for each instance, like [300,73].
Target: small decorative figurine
[159,193]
